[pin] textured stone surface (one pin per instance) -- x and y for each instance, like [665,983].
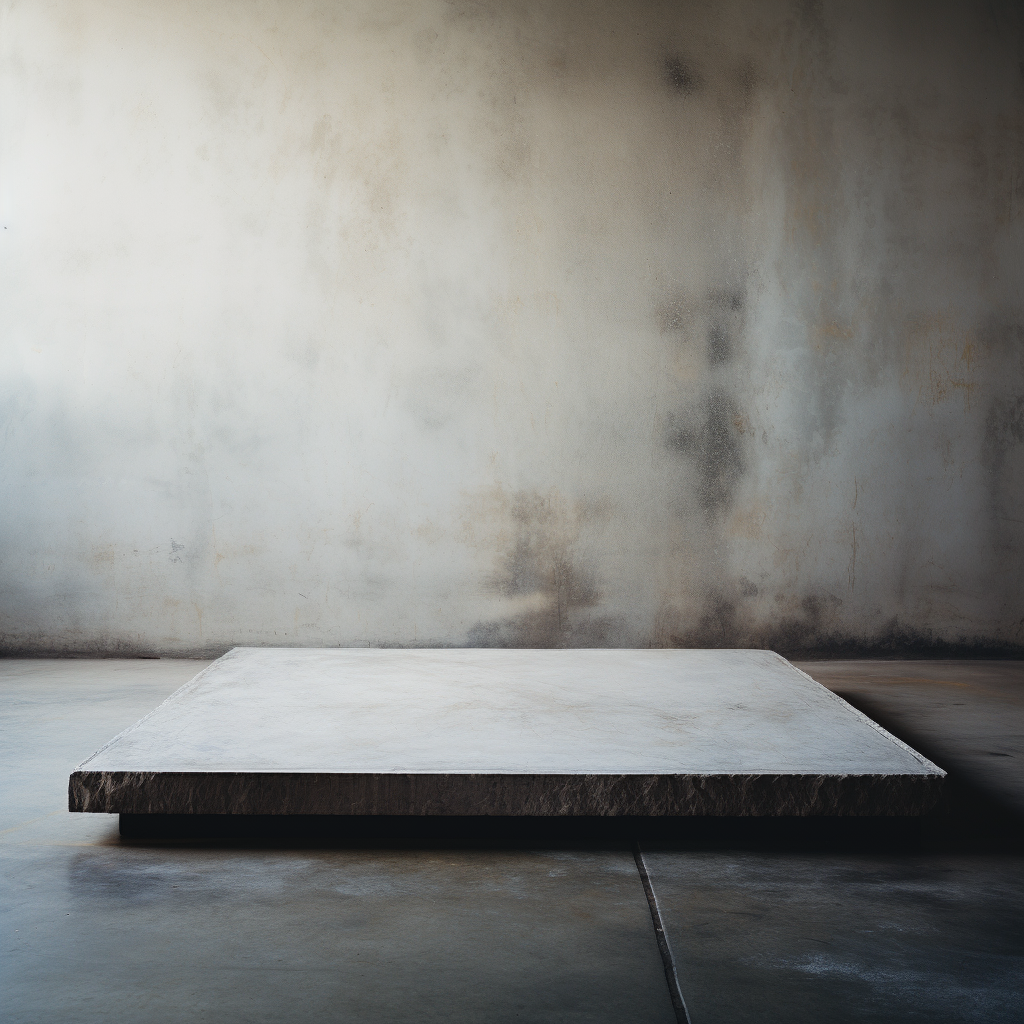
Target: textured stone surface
[320,793]
[463,732]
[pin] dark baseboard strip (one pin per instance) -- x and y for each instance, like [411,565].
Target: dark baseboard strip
[674,991]
[355,831]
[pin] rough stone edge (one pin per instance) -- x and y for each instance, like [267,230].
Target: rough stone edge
[284,793]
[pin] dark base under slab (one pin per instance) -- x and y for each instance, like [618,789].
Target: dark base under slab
[516,831]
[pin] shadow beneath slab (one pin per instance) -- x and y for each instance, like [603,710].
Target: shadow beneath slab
[433,832]
[972,816]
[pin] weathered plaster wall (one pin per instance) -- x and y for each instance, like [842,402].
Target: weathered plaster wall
[515,323]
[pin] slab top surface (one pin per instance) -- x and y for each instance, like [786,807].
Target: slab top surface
[644,712]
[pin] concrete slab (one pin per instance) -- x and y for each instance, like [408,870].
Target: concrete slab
[498,732]
[966,715]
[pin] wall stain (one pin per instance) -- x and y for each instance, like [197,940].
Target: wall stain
[719,345]
[1004,427]
[811,628]
[542,573]
[724,324]
[1004,430]
[718,317]
[748,80]
[714,448]
[683,75]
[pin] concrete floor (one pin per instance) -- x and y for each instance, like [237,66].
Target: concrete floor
[95,927]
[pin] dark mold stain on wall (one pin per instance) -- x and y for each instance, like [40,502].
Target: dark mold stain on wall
[712,446]
[719,345]
[724,324]
[541,568]
[709,435]
[811,629]
[718,318]
[1004,428]
[1001,458]
[683,75]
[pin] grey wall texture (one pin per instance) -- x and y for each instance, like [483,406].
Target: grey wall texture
[511,323]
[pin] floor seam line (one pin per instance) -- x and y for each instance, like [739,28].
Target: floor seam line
[667,959]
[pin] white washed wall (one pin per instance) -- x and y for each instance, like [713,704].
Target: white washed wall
[511,323]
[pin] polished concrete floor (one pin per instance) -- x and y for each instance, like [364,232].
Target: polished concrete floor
[764,926]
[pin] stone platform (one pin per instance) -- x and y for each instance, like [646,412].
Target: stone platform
[504,732]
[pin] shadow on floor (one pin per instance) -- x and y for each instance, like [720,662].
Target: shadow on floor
[972,818]
[845,834]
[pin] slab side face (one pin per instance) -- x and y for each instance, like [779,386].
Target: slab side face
[504,732]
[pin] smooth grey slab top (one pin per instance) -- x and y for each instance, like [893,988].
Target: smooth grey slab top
[507,712]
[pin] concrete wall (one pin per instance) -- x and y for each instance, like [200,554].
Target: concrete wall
[511,323]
